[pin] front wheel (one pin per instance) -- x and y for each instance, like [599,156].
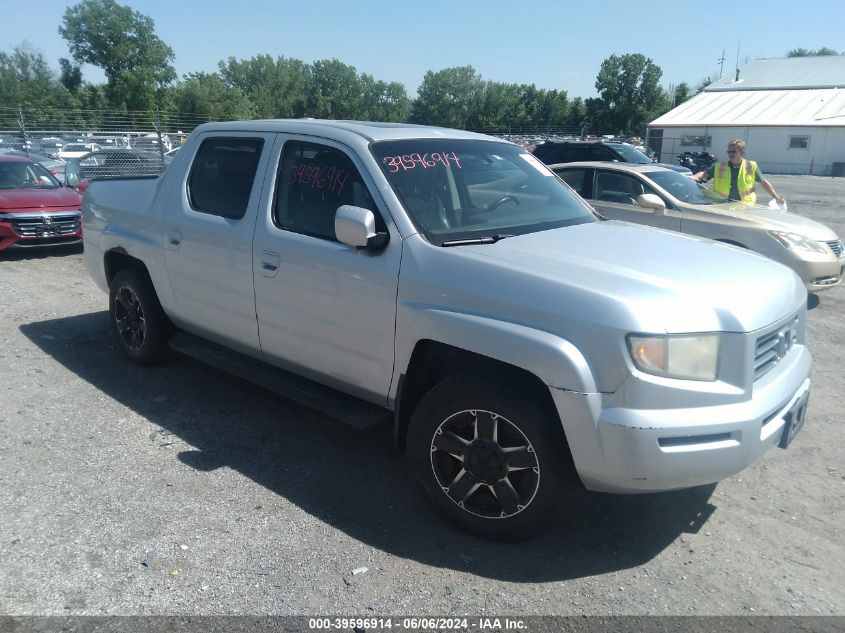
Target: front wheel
[489,457]
[139,323]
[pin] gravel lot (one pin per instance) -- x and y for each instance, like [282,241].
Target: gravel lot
[180,490]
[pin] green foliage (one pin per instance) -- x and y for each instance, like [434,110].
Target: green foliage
[71,75]
[630,92]
[208,96]
[276,88]
[27,82]
[123,43]
[682,93]
[803,52]
[448,97]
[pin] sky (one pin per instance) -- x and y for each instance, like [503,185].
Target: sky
[554,45]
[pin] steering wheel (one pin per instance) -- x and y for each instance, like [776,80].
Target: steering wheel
[506,198]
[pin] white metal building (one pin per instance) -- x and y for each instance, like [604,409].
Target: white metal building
[791,112]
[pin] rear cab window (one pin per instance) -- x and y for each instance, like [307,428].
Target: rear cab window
[222,175]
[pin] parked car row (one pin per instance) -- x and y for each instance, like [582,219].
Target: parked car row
[74,145]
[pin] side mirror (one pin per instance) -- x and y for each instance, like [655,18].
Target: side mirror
[356,226]
[652,201]
[73,172]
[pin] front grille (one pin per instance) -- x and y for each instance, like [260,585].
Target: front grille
[772,347]
[32,226]
[836,247]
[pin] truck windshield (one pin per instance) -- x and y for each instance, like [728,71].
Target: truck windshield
[465,189]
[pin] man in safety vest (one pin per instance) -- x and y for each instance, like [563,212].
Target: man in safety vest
[734,179]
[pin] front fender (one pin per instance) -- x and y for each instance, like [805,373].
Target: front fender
[555,361]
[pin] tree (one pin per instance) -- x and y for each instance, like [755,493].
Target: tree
[803,52]
[71,75]
[207,95]
[123,43]
[382,101]
[27,82]
[276,88]
[630,92]
[335,91]
[682,93]
[447,97]
[703,84]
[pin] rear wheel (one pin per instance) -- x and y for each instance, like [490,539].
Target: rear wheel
[139,323]
[489,457]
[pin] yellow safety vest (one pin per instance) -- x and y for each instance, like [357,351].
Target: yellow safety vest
[744,180]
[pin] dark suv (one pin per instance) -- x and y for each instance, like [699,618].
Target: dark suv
[576,151]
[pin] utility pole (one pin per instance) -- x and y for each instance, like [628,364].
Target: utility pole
[721,61]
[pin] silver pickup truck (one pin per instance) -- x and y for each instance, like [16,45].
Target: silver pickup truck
[448,281]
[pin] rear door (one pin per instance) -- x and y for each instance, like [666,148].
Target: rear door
[325,310]
[207,237]
[615,197]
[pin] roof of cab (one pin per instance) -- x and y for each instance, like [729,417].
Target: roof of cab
[369,130]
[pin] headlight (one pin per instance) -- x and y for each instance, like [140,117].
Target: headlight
[685,357]
[796,242]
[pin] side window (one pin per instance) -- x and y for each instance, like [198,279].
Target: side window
[567,155]
[574,178]
[222,175]
[601,153]
[619,188]
[581,153]
[312,182]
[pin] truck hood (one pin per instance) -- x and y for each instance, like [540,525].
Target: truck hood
[12,199]
[667,282]
[774,220]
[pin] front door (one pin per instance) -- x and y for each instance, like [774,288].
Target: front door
[325,310]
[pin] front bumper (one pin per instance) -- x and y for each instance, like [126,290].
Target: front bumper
[624,450]
[820,275]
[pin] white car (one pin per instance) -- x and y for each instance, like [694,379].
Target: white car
[77,150]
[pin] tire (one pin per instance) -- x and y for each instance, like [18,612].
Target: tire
[458,458]
[137,319]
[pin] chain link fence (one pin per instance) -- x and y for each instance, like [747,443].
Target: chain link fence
[78,146]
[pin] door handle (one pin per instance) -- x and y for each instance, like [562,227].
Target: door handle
[270,263]
[174,239]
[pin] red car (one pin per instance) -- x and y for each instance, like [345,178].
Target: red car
[35,209]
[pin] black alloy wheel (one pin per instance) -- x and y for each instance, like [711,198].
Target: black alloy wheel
[141,326]
[485,464]
[490,456]
[129,318]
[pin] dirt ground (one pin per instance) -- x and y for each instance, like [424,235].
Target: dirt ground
[181,490]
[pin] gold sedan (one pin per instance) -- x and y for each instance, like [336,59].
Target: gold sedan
[659,197]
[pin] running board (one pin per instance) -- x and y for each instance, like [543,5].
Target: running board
[331,402]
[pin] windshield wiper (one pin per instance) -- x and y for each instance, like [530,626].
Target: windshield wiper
[487,239]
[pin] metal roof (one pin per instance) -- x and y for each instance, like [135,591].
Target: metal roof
[759,108]
[792,73]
